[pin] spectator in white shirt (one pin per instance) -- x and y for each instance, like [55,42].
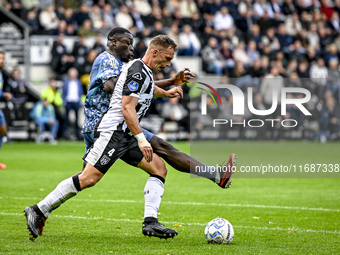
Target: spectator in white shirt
[96,17]
[123,18]
[48,19]
[261,7]
[293,24]
[252,53]
[108,16]
[270,39]
[318,74]
[143,7]
[313,37]
[189,43]
[187,8]
[240,55]
[223,20]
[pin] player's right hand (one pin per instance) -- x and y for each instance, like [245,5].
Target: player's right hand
[144,146]
[147,152]
[183,76]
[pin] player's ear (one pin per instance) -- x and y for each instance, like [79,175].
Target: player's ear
[155,53]
[114,42]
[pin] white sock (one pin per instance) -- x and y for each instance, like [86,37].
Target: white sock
[64,191]
[153,193]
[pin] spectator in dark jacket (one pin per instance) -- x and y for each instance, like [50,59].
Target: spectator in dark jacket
[32,20]
[212,58]
[17,87]
[284,39]
[98,45]
[61,60]
[82,15]
[80,51]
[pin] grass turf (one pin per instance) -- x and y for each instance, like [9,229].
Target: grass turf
[270,216]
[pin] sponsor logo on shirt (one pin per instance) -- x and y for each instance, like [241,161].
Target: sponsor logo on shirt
[133,86]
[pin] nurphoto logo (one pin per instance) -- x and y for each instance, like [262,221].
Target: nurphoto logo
[239,104]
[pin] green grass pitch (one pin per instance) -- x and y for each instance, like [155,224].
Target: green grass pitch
[270,216]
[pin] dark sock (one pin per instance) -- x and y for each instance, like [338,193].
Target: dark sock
[150,220]
[206,172]
[158,177]
[75,179]
[37,210]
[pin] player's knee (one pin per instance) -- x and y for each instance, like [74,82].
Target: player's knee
[162,172]
[92,182]
[161,169]
[89,182]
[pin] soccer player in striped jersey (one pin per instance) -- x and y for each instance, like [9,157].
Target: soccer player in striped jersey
[102,83]
[104,73]
[116,141]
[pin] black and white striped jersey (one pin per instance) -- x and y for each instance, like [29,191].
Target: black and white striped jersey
[136,80]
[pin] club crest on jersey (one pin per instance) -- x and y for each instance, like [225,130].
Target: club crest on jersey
[133,86]
[104,160]
[137,76]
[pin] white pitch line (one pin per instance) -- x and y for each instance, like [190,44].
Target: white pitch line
[184,224]
[193,203]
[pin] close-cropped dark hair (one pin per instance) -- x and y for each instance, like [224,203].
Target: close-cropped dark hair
[164,42]
[116,32]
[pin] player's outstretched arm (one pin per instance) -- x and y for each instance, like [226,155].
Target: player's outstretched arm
[183,76]
[174,92]
[130,116]
[110,84]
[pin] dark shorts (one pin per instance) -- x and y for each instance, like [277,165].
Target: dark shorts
[111,145]
[89,139]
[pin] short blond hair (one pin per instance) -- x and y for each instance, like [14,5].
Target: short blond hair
[162,42]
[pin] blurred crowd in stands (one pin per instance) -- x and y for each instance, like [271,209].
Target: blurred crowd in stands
[248,43]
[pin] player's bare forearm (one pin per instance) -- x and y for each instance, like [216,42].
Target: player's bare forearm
[164,83]
[110,85]
[181,77]
[130,115]
[159,92]
[174,92]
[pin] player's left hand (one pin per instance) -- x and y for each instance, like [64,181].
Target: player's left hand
[183,76]
[175,92]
